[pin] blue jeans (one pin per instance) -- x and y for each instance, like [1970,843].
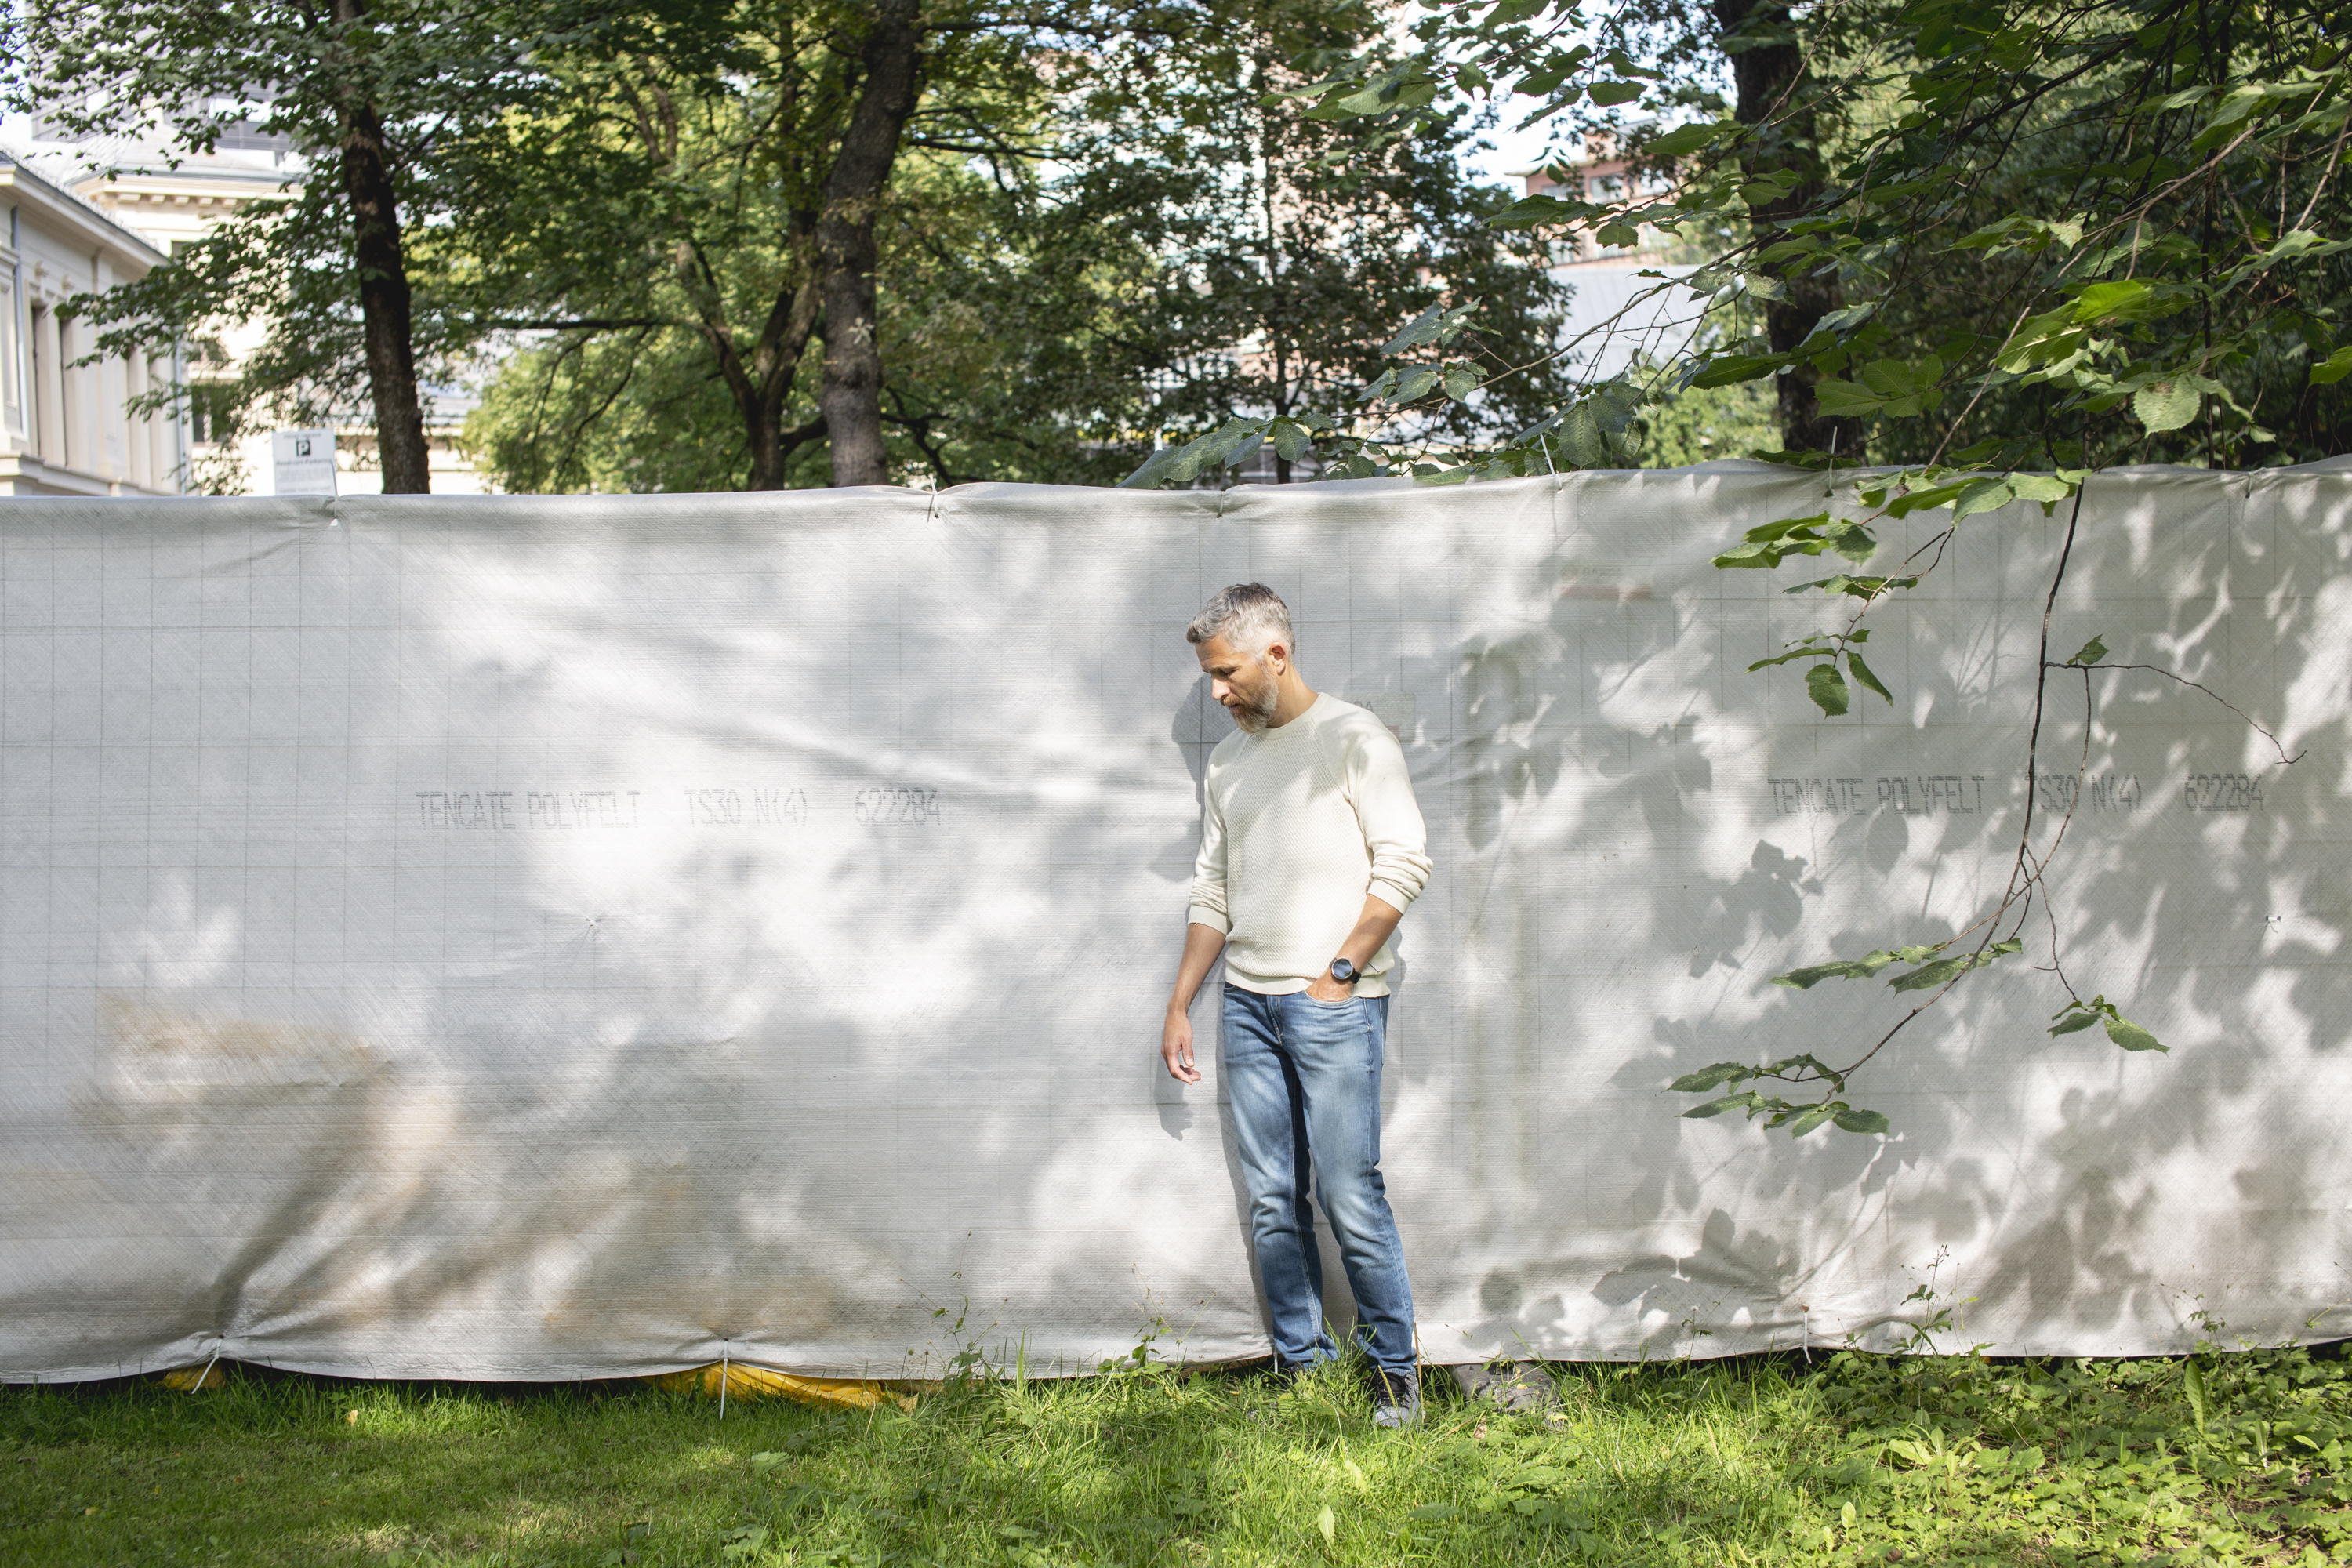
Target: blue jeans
[1304,1080]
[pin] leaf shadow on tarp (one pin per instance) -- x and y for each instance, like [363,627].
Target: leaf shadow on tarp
[2072,1206]
[2075,1211]
[629,1101]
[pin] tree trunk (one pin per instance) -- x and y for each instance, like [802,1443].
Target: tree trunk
[1769,69]
[850,393]
[385,325]
[760,383]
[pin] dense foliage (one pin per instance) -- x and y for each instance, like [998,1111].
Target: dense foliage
[1971,236]
[1098,234]
[726,242]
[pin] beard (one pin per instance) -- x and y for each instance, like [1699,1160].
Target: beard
[1253,709]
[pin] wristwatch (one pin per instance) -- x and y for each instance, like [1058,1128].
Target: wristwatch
[1343,972]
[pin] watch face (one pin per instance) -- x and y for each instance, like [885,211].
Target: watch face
[1342,970]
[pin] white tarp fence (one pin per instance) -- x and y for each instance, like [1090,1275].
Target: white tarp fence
[548,938]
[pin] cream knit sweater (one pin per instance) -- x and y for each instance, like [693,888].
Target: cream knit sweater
[1300,824]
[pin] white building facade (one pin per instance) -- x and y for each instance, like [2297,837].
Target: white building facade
[120,205]
[68,428]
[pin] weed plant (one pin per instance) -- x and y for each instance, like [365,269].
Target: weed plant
[1848,1459]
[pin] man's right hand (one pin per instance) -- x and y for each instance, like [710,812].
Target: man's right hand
[1202,945]
[1176,1047]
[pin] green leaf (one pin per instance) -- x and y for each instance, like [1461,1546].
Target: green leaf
[1689,138]
[2199,1405]
[1437,324]
[1826,687]
[1461,380]
[1413,382]
[1935,974]
[1810,648]
[1579,437]
[2074,1022]
[1863,673]
[1985,495]
[1534,212]
[2167,405]
[1708,1078]
[2128,301]
[1926,499]
[1807,978]
[1154,469]
[1732,369]
[1809,1120]
[767,1461]
[1421,329]
[1846,398]
[1851,317]
[1945,970]
[2090,653]
[1329,1526]
[1717,1106]
[2039,487]
[1864,1121]
[2333,368]
[1609,94]
[2132,1037]
[1394,89]
[1854,587]
[1750,555]
[1785,526]
[1291,441]
[1851,540]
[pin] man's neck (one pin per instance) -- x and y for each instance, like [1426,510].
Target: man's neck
[1297,696]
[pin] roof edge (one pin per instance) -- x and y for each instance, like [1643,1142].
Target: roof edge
[14,170]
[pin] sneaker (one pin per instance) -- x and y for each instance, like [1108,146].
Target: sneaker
[1396,1399]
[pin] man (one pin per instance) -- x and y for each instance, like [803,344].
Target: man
[1311,847]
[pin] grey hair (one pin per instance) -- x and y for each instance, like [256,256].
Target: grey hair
[1247,615]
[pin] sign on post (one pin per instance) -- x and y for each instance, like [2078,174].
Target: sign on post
[303,462]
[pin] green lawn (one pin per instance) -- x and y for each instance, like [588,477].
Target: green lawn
[1851,1459]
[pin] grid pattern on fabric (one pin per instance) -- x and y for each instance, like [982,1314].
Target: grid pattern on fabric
[548,938]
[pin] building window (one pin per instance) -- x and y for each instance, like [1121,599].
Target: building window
[33,400]
[212,408]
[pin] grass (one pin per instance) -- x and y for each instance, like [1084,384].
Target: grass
[2237,1459]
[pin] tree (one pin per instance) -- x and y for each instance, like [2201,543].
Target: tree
[1781,162]
[1013,332]
[2059,235]
[1293,253]
[892,54]
[739,183]
[365,88]
[1093,232]
[727,192]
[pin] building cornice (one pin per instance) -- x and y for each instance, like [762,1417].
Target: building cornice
[85,218]
[183,187]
